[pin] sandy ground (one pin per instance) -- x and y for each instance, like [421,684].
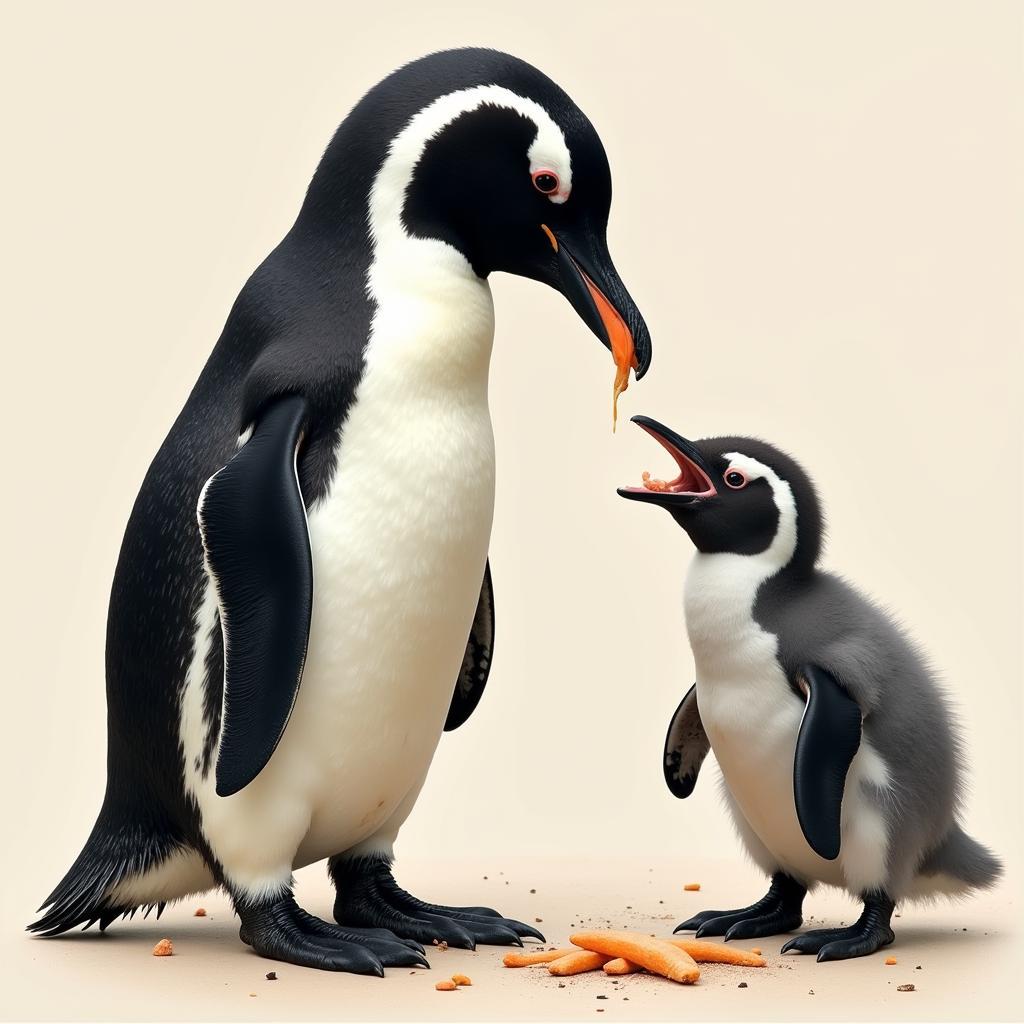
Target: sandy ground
[962,959]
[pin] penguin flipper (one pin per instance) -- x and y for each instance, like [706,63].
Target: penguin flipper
[829,737]
[253,522]
[476,665]
[686,746]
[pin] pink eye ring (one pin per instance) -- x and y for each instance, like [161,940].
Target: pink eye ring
[736,479]
[545,181]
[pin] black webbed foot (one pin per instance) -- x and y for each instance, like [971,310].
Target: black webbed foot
[380,940]
[368,895]
[868,935]
[780,910]
[280,930]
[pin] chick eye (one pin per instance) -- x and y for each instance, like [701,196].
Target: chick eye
[546,182]
[735,479]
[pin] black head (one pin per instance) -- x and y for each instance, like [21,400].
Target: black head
[483,152]
[736,494]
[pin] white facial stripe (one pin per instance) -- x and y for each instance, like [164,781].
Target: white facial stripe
[387,197]
[784,544]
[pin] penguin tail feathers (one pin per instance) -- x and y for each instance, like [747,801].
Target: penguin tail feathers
[959,863]
[114,852]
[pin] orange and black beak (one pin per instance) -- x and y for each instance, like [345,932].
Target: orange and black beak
[589,280]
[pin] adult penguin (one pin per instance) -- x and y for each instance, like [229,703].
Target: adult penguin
[338,449]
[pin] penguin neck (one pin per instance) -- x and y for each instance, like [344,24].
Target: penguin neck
[721,587]
[433,313]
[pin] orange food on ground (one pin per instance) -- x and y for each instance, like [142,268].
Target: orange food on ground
[164,948]
[579,962]
[446,986]
[200,912]
[619,966]
[654,955]
[890,961]
[718,953]
[702,952]
[543,957]
[691,887]
[461,979]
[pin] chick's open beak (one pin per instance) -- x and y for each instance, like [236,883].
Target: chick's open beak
[690,486]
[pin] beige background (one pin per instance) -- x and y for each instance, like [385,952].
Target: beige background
[818,208]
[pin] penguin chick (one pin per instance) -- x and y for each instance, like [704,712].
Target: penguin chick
[841,763]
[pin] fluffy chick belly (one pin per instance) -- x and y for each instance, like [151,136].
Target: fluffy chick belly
[753,732]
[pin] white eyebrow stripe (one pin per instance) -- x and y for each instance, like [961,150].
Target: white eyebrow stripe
[387,196]
[783,546]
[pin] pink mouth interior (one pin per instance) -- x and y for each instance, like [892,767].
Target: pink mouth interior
[691,481]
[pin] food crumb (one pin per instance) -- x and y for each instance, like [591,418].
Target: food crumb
[691,887]
[561,984]
[890,961]
[164,948]
[602,997]
[441,944]
[810,991]
[918,967]
[539,920]
[252,995]
[905,988]
[533,890]
[742,984]
[200,912]
[271,975]
[447,985]
[461,979]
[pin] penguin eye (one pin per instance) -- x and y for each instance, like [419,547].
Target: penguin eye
[736,479]
[545,181]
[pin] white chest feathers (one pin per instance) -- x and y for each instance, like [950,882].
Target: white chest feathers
[399,543]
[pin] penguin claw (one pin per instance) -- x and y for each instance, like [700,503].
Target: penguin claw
[369,895]
[382,942]
[693,923]
[742,925]
[715,926]
[427,929]
[847,949]
[779,910]
[493,935]
[496,930]
[759,927]
[282,931]
[840,943]
[301,951]
[812,941]
[867,935]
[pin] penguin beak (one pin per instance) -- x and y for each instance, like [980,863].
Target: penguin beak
[588,279]
[691,486]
